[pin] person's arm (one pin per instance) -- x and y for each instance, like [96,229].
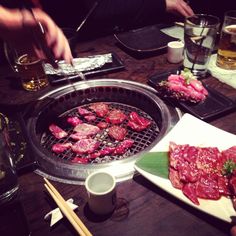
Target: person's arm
[126,14]
[19,27]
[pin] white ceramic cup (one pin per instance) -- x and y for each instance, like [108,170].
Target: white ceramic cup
[175,51]
[101,188]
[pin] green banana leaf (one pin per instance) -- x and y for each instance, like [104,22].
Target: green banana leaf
[155,163]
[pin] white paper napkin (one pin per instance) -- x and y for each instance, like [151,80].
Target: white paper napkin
[225,76]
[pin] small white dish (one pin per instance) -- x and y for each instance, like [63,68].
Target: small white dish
[175,51]
[101,189]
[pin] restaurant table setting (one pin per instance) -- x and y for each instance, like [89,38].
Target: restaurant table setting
[126,194]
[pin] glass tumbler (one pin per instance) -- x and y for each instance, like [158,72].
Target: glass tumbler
[226,55]
[8,175]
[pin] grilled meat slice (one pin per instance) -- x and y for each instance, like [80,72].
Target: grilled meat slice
[117,132]
[86,129]
[100,108]
[116,117]
[61,147]
[85,146]
[137,122]
[74,120]
[57,131]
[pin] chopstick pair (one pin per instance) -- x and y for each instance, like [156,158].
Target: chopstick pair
[66,210]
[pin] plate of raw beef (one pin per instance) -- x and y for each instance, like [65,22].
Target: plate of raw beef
[195,132]
[215,104]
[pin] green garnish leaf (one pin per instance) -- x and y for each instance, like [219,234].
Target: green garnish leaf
[187,74]
[155,163]
[229,167]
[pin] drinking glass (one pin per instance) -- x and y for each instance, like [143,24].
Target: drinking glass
[226,55]
[28,66]
[8,175]
[200,33]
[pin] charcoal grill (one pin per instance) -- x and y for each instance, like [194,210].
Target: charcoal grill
[127,96]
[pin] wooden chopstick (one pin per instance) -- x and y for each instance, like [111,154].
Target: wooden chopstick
[66,210]
[179,24]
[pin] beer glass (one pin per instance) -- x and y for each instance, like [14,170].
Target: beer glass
[28,66]
[226,55]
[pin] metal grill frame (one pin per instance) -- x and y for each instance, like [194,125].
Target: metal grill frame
[62,100]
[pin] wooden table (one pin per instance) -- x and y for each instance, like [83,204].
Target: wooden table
[143,209]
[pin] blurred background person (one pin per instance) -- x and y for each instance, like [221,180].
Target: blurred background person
[112,15]
[216,8]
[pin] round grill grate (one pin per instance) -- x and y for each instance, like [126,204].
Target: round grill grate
[141,139]
[127,96]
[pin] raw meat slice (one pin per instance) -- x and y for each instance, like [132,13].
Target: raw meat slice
[189,190]
[183,87]
[232,184]
[116,117]
[61,147]
[223,184]
[137,122]
[174,178]
[207,187]
[229,154]
[188,173]
[117,132]
[74,120]
[204,172]
[57,131]
[85,146]
[208,159]
[100,108]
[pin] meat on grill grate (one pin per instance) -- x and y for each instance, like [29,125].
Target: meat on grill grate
[137,122]
[117,132]
[74,120]
[116,117]
[98,139]
[100,108]
[57,131]
[85,146]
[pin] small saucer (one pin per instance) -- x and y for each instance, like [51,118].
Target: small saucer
[225,76]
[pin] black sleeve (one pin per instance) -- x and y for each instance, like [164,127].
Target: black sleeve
[124,14]
[108,15]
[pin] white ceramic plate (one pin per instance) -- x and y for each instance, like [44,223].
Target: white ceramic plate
[190,130]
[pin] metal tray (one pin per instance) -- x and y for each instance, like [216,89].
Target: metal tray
[115,66]
[146,39]
[215,105]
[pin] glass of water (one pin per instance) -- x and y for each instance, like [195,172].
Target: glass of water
[200,32]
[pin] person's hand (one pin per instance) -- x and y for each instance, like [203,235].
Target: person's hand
[179,7]
[37,31]
[233,231]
